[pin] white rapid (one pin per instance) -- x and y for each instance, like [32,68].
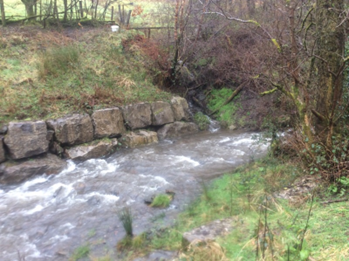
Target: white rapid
[47,217]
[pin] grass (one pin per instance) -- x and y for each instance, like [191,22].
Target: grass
[46,74]
[263,223]
[226,112]
[80,252]
[161,201]
[127,222]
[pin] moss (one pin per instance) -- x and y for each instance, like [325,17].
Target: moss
[225,113]
[201,120]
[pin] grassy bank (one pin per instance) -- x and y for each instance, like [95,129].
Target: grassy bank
[264,225]
[47,74]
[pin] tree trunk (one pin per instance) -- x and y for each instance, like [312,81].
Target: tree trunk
[3,18]
[251,5]
[329,64]
[65,16]
[29,7]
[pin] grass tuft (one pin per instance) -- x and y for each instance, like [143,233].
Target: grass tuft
[161,201]
[57,61]
[80,252]
[126,219]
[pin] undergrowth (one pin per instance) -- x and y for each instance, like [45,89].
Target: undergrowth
[265,227]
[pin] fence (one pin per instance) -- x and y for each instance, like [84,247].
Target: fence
[64,10]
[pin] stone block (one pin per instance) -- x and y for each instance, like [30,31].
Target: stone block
[26,139]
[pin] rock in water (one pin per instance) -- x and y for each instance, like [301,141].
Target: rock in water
[2,150]
[95,149]
[137,138]
[15,172]
[177,129]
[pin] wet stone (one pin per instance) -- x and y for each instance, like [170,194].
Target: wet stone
[15,172]
[137,138]
[161,113]
[137,116]
[177,129]
[73,129]
[108,122]
[209,232]
[26,139]
[160,255]
[94,149]
[180,109]
[3,129]
[2,150]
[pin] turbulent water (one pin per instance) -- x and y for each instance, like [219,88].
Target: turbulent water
[47,217]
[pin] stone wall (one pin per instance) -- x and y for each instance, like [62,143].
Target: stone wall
[37,147]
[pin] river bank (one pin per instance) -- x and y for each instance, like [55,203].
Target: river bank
[274,212]
[49,216]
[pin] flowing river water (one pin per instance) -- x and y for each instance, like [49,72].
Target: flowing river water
[47,217]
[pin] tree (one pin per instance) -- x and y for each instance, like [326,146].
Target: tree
[2,8]
[330,63]
[29,7]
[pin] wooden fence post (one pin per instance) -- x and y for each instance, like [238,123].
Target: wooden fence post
[112,13]
[128,17]
[120,15]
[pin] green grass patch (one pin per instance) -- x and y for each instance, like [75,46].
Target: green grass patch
[161,201]
[80,253]
[225,113]
[264,224]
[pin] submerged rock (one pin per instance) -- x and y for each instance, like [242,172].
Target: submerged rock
[159,255]
[177,129]
[140,137]
[95,149]
[3,129]
[209,232]
[2,150]
[180,109]
[73,129]
[108,122]
[137,115]
[162,113]
[15,172]
[26,139]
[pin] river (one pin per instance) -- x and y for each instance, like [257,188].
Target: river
[47,217]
